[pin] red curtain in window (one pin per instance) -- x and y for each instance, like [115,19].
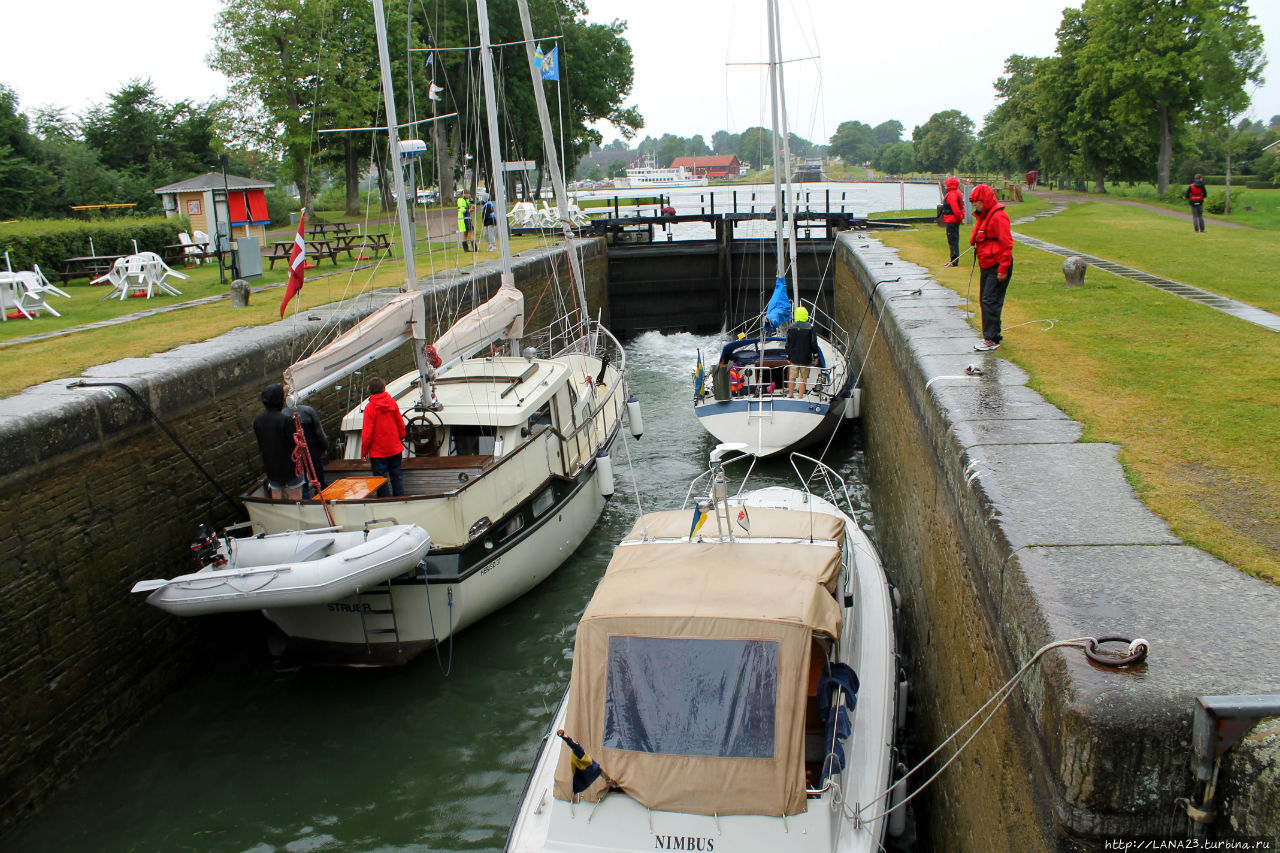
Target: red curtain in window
[236,208]
[258,207]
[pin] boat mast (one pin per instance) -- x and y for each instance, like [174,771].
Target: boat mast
[498,191]
[552,160]
[778,211]
[792,204]
[425,371]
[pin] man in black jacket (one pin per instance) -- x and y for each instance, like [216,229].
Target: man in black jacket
[802,352]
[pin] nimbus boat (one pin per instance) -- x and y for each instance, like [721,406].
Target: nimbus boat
[300,568]
[733,688]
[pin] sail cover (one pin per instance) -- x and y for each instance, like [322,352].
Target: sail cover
[392,325]
[502,316]
[688,682]
[778,312]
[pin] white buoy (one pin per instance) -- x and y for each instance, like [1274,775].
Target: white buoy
[633,416]
[853,404]
[901,717]
[898,817]
[604,473]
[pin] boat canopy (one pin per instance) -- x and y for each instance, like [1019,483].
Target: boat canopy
[690,669]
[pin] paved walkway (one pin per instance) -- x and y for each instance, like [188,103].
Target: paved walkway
[1233,307]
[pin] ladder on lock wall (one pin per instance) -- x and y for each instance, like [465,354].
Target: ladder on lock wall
[382,607]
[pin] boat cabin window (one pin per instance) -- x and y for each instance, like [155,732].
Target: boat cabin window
[691,696]
[543,502]
[541,418]
[511,528]
[467,440]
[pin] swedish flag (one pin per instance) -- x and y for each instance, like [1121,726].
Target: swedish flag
[700,513]
[585,769]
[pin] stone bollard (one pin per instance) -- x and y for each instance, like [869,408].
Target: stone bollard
[239,293]
[1073,268]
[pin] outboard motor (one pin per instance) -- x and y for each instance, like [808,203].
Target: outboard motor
[204,547]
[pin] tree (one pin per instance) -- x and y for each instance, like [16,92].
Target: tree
[896,159]
[724,142]
[1008,139]
[854,142]
[755,145]
[942,140]
[887,133]
[1155,56]
[21,184]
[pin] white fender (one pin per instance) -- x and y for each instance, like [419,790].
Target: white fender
[604,473]
[853,404]
[633,416]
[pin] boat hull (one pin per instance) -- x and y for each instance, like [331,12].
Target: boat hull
[769,426]
[617,823]
[361,629]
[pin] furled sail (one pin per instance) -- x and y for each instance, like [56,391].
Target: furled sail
[502,316]
[394,324]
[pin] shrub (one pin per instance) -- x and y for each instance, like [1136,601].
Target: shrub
[49,242]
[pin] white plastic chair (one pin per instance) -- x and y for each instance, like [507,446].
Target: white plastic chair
[576,216]
[21,292]
[522,214]
[547,218]
[192,252]
[155,271]
[46,285]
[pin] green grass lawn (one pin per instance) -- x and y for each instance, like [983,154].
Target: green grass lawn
[30,363]
[1187,392]
[1236,262]
[1255,208]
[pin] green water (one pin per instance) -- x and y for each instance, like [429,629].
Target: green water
[405,759]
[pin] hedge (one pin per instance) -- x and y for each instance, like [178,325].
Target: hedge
[49,242]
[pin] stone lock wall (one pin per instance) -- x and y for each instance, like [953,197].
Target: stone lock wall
[95,497]
[1005,533]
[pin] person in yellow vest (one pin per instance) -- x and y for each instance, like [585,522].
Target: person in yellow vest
[464,221]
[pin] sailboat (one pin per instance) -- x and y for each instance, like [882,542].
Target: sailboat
[734,685]
[748,397]
[506,462]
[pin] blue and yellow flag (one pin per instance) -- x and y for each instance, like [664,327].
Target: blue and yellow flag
[699,380]
[700,513]
[550,65]
[585,769]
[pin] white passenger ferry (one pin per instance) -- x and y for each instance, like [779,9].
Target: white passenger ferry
[647,174]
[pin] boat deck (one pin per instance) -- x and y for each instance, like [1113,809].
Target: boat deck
[428,475]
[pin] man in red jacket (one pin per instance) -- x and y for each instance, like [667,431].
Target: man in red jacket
[992,241]
[1195,194]
[382,438]
[952,216]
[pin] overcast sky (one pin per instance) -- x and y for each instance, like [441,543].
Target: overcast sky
[875,61]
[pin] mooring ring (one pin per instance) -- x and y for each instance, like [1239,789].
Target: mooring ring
[1137,651]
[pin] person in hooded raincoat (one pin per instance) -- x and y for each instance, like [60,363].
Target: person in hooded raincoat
[464,221]
[992,241]
[953,216]
[382,438]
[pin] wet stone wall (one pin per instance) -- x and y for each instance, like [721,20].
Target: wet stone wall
[1004,533]
[94,497]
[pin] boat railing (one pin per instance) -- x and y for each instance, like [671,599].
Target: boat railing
[724,463]
[835,488]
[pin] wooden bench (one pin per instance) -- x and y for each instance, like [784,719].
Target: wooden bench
[361,243]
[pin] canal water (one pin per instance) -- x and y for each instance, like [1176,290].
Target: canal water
[431,756]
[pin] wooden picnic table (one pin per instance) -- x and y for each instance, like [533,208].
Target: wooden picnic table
[373,242]
[183,252]
[90,266]
[318,249]
[320,230]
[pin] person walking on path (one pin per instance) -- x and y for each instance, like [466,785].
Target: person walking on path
[275,442]
[992,241]
[1196,194]
[489,222]
[382,438]
[464,220]
[952,216]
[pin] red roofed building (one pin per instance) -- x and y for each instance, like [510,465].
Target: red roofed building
[715,166]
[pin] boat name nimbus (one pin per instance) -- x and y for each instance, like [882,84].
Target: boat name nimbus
[683,842]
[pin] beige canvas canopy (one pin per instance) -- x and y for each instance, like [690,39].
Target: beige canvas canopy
[691,664]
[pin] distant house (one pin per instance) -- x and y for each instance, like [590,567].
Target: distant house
[715,166]
[206,201]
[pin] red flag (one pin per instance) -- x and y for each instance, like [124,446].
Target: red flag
[297,262]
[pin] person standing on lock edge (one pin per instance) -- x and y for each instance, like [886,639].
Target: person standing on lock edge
[992,241]
[382,438]
[464,221]
[1195,194]
[952,217]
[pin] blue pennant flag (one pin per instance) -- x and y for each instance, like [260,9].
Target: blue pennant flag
[778,311]
[547,63]
[699,380]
